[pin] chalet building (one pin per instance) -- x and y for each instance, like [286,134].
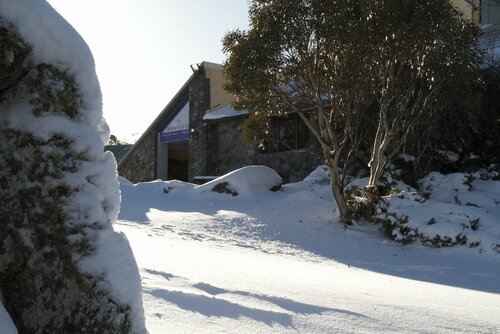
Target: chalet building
[198,136]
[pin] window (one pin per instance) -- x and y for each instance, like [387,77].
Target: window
[490,12]
[286,133]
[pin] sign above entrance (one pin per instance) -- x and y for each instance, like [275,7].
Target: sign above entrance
[178,128]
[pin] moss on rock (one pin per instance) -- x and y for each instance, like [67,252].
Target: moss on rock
[40,240]
[55,92]
[14,53]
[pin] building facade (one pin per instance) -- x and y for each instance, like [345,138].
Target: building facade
[198,136]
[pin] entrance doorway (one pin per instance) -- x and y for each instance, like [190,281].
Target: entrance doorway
[173,148]
[178,160]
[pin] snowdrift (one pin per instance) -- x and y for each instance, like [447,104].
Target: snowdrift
[280,262]
[246,181]
[455,209]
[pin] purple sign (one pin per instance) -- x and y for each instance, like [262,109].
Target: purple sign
[178,128]
[174,136]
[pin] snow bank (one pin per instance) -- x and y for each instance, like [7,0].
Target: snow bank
[454,209]
[246,181]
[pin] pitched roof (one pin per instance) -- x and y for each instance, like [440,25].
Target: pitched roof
[169,109]
[166,112]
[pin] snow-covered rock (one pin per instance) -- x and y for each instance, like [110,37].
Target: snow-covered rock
[246,181]
[59,189]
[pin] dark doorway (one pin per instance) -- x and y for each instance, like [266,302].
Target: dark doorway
[178,160]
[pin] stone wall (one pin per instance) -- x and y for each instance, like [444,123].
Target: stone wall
[293,166]
[217,147]
[140,165]
[199,102]
[228,151]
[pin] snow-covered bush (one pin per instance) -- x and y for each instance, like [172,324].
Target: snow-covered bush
[58,188]
[446,210]
[455,209]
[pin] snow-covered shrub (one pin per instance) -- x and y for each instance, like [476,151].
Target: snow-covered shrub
[492,172]
[456,209]
[449,209]
[58,188]
[365,201]
[360,207]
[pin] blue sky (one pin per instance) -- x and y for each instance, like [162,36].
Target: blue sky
[143,49]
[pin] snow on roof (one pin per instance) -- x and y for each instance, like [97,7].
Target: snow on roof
[224,112]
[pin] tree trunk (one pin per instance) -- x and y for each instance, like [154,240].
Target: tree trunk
[378,160]
[337,190]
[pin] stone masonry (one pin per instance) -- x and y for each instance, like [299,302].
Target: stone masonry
[141,165]
[228,151]
[199,103]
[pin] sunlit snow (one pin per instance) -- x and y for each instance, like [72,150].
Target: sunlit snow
[279,262]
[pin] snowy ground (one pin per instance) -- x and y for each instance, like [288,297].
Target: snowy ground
[278,262]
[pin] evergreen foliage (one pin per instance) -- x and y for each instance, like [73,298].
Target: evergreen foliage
[44,229]
[13,55]
[359,73]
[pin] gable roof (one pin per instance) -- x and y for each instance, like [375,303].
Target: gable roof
[170,109]
[161,118]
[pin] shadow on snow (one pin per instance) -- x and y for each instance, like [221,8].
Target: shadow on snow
[302,230]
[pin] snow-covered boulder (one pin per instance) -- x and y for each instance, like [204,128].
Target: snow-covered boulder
[246,181]
[59,189]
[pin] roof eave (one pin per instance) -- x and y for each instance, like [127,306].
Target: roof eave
[157,120]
